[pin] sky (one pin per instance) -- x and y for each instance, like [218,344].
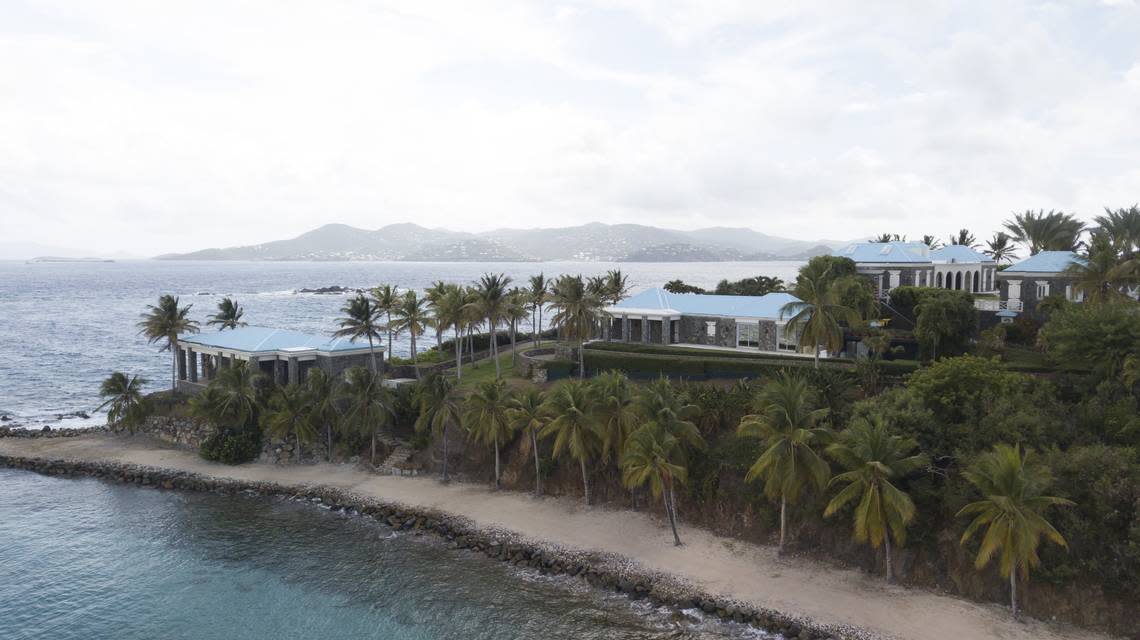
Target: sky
[147,127]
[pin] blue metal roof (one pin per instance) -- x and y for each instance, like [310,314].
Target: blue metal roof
[263,339]
[885,252]
[696,304]
[1046,262]
[958,253]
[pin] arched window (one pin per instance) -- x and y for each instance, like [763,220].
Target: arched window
[958,281]
[977,281]
[939,280]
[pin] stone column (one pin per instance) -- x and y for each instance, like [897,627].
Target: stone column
[665,322]
[625,332]
[294,371]
[894,279]
[181,363]
[606,328]
[645,329]
[193,359]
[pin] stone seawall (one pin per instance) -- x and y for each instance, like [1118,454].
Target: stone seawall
[598,570]
[48,432]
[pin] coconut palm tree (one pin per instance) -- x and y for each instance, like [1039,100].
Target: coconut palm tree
[788,422]
[874,460]
[164,322]
[448,311]
[1123,227]
[1012,509]
[369,403]
[889,237]
[616,286]
[228,316]
[654,456]
[1001,248]
[618,411]
[965,239]
[574,426]
[1040,231]
[385,299]
[233,396]
[126,406]
[412,316]
[528,415]
[514,312]
[290,413]
[931,242]
[360,321]
[433,294]
[485,416]
[536,298]
[439,409]
[575,312]
[321,394]
[473,318]
[491,304]
[1102,274]
[817,314]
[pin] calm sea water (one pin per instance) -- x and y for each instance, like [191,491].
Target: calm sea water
[65,326]
[87,560]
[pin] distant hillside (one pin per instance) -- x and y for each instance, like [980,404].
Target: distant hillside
[588,242]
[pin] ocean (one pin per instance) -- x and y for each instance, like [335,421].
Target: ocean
[65,326]
[87,560]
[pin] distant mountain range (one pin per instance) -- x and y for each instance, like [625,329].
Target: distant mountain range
[589,242]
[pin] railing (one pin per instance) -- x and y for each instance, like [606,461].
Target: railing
[998,305]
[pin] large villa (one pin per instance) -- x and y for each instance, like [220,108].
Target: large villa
[659,317]
[285,356]
[898,264]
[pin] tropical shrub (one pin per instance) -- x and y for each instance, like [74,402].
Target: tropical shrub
[232,446]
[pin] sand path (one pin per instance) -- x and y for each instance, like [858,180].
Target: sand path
[722,566]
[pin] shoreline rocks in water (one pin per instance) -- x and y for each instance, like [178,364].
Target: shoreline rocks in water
[48,432]
[333,290]
[599,570]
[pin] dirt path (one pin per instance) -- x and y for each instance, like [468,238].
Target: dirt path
[722,566]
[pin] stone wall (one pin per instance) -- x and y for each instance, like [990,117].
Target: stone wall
[694,330]
[187,432]
[48,432]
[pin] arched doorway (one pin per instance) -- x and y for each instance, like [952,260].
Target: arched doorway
[939,280]
[958,281]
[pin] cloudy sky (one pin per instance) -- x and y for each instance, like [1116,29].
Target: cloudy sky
[157,126]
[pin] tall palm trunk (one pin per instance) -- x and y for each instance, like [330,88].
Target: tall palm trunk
[495,347]
[496,463]
[458,354]
[816,357]
[890,560]
[514,351]
[439,338]
[173,366]
[415,364]
[671,509]
[372,459]
[783,522]
[537,467]
[581,362]
[388,315]
[533,326]
[585,481]
[372,354]
[445,478]
[1013,592]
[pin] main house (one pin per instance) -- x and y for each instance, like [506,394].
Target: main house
[1025,284]
[897,264]
[660,317]
[285,356]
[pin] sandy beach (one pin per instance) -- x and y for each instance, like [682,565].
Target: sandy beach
[722,566]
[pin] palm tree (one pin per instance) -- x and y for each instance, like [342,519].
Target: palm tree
[369,403]
[232,398]
[788,423]
[433,294]
[574,426]
[1001,248]
[359,321]
[1013,486]
[1123,227]
[816,315]
[653,455]
[515,312]
[616,286]
[536,298]
[228,316]
[965,239]
[617,409]
[472,319]
[485,416]
[931,242]
[575,311]
[412,316]
[385,299]
[439,409]
[165,321]
[1102,273]
[1040,231]
[124,399]
[322,393]
[448,310]
[889,237]
[528,415]
[874,459]
[290,413]
[492,302]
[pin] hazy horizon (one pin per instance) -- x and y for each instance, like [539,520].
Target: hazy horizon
[150,129]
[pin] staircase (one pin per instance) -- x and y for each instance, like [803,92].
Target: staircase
[398,463]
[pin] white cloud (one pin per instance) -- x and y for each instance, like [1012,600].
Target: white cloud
[164,127]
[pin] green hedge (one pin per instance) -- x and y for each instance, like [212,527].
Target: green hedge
[648,360]
[654,349]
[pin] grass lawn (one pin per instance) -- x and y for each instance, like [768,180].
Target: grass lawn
[484,370]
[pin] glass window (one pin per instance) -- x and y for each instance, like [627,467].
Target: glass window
[748,335]
[710,328]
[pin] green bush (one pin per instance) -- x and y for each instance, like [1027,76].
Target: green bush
[232,446]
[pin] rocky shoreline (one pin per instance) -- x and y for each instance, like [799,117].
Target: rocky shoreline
[48,432]
[600,571]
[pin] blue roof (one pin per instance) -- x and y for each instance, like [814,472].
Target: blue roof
[1046,262]
[958,253]
[766,306]
[1006,313]
[885,252]
[263,339]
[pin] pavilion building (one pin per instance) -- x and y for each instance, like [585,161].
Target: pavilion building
[897,264]
[285,356]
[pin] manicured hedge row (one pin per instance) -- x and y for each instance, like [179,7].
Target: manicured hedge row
[691,363]
[655,349]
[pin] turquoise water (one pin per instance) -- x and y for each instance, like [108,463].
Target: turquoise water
[83,559]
